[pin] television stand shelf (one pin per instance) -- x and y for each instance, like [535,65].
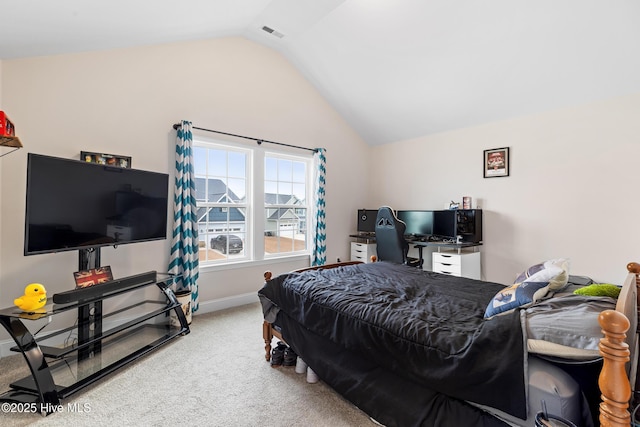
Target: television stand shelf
[59,371]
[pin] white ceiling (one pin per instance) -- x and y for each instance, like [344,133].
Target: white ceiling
[394,69]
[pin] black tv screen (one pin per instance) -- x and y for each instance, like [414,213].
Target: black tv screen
[73,204]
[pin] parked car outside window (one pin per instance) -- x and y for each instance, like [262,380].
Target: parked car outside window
[220,243]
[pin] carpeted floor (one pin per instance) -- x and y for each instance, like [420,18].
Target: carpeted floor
[215,376]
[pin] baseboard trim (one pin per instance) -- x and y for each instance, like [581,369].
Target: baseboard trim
[227,302]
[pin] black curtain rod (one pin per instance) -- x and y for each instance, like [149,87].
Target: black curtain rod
[259,141]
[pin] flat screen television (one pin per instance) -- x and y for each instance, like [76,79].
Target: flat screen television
[73,204]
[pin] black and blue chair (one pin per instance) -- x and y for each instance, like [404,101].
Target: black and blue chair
[390,242]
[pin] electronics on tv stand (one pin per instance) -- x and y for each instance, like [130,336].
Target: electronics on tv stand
[97,291]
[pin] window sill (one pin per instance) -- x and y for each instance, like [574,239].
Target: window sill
[255,263]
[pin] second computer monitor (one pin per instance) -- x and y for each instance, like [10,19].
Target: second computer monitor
[444,224]
[419,223]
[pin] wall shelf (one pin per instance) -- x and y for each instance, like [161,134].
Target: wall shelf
[10,141]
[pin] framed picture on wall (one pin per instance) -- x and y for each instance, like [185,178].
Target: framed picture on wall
[496,162]
[106,159]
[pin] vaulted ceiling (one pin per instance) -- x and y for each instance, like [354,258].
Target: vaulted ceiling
[394,69]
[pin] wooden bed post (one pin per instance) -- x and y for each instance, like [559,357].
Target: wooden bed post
[634,268]
[267,331]
[614,383]
[267,334]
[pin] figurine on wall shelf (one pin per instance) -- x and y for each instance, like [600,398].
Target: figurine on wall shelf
[35,297]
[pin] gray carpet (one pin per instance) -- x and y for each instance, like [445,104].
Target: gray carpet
[215,376]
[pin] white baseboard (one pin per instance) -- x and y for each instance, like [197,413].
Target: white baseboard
[227,302]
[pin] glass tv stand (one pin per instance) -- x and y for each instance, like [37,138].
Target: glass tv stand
[103,341]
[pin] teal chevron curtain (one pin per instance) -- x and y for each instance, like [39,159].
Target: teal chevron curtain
[320,238]
[183,259]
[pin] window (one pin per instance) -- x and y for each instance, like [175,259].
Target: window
[236,223]
[285,201]
[222,180]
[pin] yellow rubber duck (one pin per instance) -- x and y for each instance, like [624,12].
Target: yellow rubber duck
[35,297]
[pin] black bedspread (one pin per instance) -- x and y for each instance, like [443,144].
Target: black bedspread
[425,327]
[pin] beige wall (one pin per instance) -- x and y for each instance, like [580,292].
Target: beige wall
[126,101]
[571,169]
[574,175]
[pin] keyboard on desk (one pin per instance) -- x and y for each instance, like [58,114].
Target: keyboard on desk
[365,234]
[432,239]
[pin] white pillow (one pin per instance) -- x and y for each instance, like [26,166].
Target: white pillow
[554,271]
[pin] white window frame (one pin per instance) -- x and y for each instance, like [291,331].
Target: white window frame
[255,207]
[308,205]
[228,227]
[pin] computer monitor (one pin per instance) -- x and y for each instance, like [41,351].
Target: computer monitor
[444,224]
[419,223]
[367,220]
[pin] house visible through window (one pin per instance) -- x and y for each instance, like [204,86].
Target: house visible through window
[285,198]
[232,225]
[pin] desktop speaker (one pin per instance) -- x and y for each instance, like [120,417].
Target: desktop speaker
[367,220]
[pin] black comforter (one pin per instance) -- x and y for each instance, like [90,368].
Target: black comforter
[426,328]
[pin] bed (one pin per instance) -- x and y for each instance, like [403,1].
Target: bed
[417,348]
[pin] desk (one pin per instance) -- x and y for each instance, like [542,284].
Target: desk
[365,245]
[452,260]
[458,246]
[364,237]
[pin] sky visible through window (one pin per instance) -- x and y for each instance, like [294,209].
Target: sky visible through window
[283,176]
[228,166]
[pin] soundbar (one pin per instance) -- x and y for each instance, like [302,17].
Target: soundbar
[104,289]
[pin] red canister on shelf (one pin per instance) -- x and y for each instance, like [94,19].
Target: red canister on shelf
[6,127]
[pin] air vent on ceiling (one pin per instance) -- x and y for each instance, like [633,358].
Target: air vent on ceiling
[273,32]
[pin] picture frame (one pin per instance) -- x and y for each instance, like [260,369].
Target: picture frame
[106,159]
[94,276]
[496,162]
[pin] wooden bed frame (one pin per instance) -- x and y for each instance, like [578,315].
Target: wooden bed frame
[614,383]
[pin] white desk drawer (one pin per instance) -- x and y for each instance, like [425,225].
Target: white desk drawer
[362,258]
[447,258]
[362,246]
[463,264]
[362,251]
[454,270]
